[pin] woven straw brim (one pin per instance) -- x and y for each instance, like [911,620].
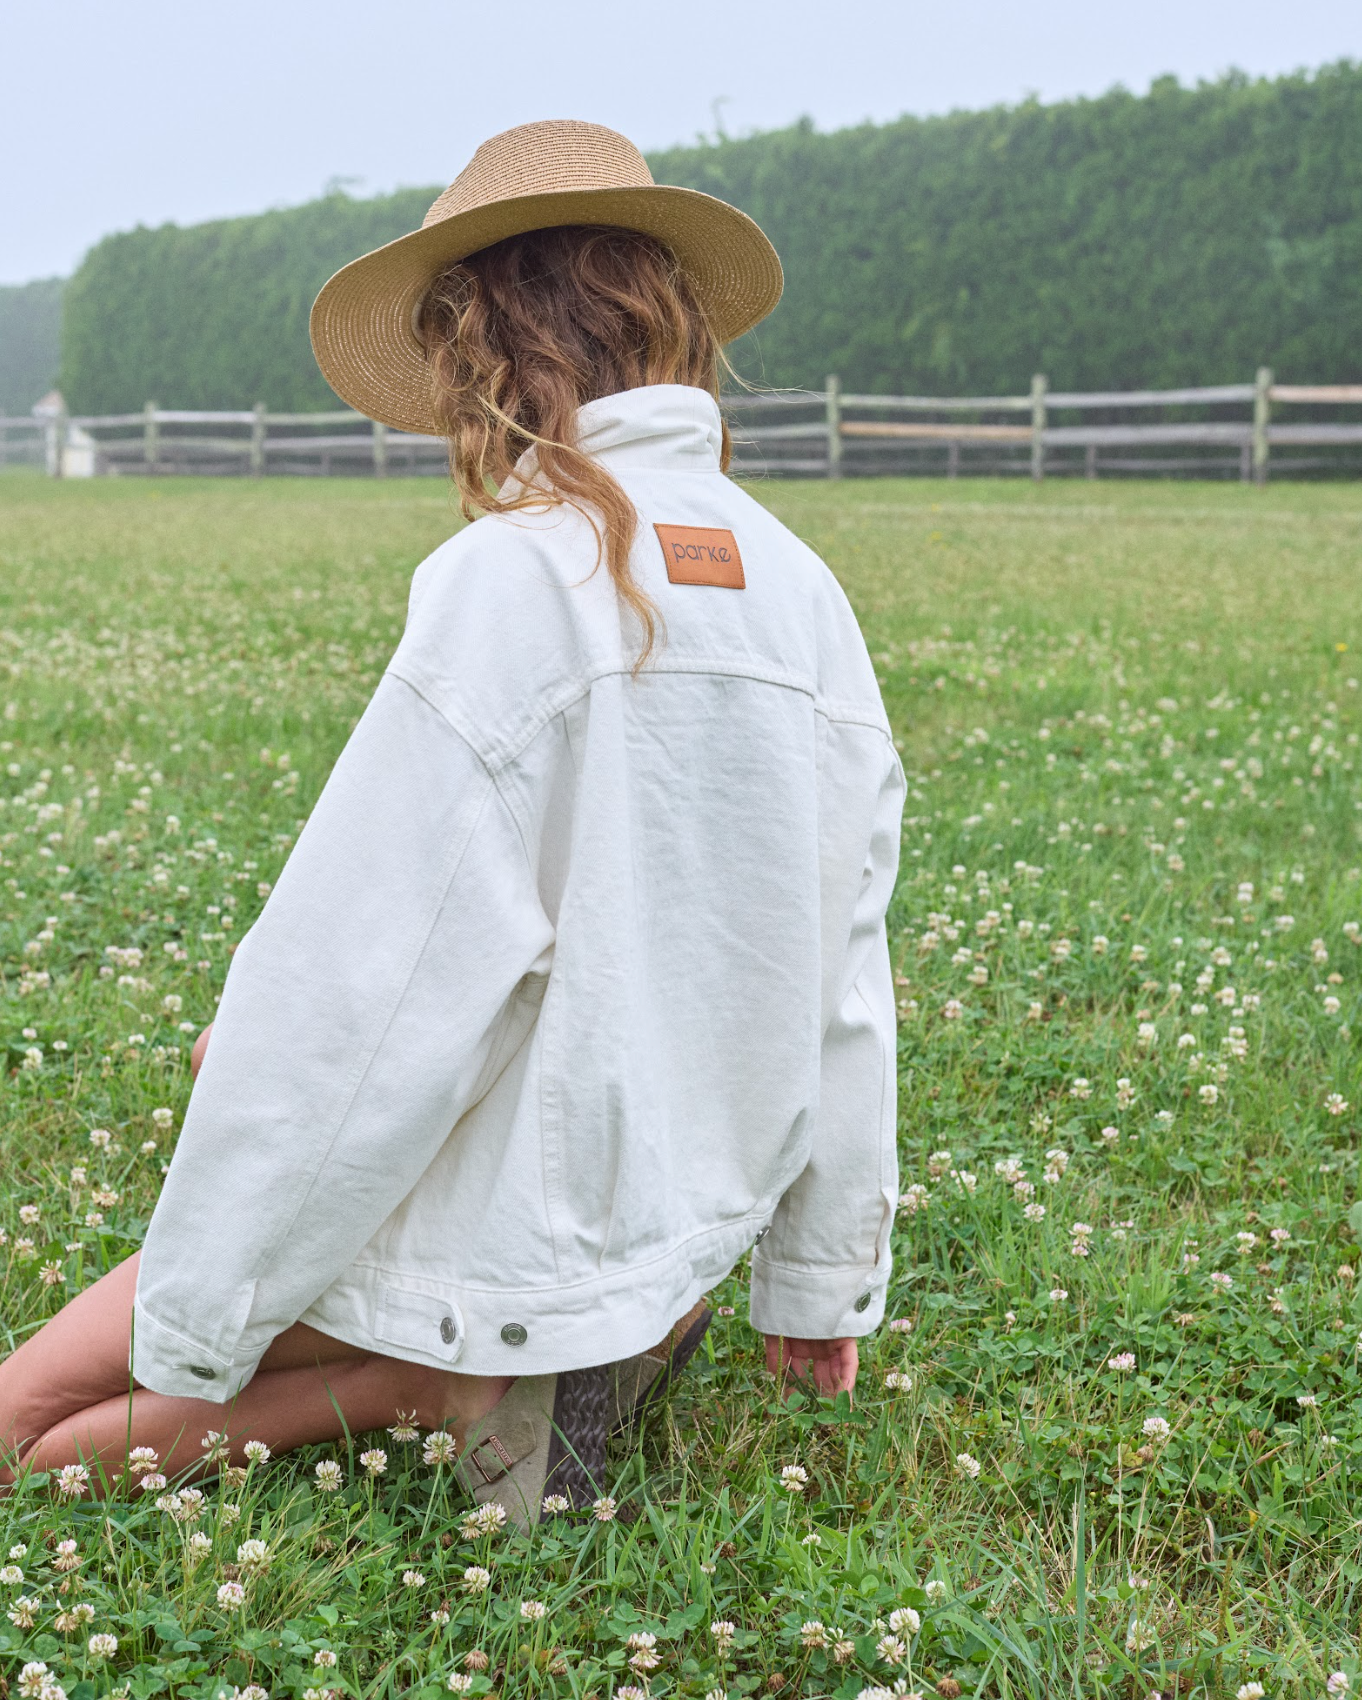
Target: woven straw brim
[362,321]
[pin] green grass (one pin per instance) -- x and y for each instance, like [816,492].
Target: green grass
[1119,707]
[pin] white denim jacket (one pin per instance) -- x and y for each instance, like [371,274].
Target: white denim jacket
[575,985]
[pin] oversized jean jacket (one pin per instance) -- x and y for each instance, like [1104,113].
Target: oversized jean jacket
[576,984]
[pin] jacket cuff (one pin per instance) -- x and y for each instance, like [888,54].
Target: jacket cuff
[816,1304]
[166,1362]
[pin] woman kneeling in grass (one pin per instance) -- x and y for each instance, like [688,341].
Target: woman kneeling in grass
[576,986]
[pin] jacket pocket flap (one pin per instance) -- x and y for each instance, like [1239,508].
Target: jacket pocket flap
[432,1327]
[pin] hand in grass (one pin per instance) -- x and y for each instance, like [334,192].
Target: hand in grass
[831,1365]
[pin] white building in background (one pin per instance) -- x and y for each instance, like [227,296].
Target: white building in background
[79,450]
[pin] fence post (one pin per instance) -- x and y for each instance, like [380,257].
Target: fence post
[380,450]
[258,423]
[1262,414]
[834,416]
[151,437]
[56,442]
[1038,389]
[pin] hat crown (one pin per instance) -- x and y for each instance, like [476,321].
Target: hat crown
[534,159]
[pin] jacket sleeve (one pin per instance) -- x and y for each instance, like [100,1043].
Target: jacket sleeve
[821,1270]
[362,1016]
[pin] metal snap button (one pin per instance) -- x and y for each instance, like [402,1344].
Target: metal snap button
[448,1330]
[203,1372]
[863,1303]
[762,1233]
[515,1334]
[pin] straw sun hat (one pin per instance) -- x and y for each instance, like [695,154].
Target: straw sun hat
[529,178]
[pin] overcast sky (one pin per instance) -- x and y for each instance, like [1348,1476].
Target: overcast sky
[143,111]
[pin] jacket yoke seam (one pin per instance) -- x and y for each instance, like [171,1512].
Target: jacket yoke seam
[496,759]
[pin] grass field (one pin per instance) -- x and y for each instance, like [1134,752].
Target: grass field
[1111,1445]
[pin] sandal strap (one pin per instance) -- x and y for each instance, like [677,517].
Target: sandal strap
[487,1458]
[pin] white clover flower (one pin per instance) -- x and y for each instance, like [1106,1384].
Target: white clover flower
[1336,1104]
[1250,1691]
[723,1632]
[458,1683]
[935,1589]
[1279,1236]
[1034,1212]
[72,1481]
[914,1199]
[1139,1636]
[1307,1401]
[253,1555]
[21,1614]
[1208,1094]
[794,1478]
[1121,1361]
[1338,1683]
[813,1634]
[440,1448]
[897,1381]
[905,1621]
[901,1325]
[968,1465]
[324,1659]
[604,1510]
[555,1504]
[256,1452]
[328,1475]
[102,1646]
[11,1575]
[405,1427]
[477,1579]
[373,1462]
[488,1518]
[413,1579]
[231,1596]
[891,1650]
[1222,1281]
[533,1611]
[1157,1428]
[31,1678]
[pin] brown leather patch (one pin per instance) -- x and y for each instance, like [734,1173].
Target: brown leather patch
[701,554]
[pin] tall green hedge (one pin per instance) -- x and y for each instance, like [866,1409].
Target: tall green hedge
[30,321]
[216,315]
[1183,236]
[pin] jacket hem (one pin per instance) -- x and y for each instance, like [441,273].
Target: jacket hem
[527,1330]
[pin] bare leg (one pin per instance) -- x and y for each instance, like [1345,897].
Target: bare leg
[65,1394]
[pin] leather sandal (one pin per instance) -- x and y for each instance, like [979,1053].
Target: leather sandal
[638,1382]
[545,1436]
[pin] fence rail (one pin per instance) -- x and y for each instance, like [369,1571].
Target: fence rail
[838,435]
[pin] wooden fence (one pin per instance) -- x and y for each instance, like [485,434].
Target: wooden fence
[1244,430]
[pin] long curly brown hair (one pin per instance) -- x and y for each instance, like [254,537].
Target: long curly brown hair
[522,334]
